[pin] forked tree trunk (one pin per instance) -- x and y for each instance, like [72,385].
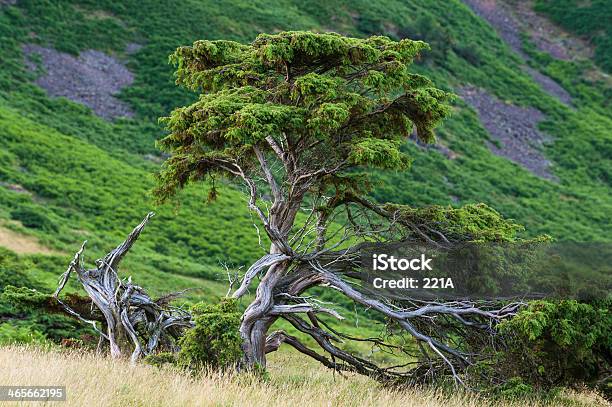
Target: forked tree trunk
[136,325]
[256,319]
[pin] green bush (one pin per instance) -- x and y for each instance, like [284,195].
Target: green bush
[31,218]
[24,298]
[516,388]
[10,334]
[214,342]
[36,311]
[161,359]
[11,271]
[562,343]
[471,55]
[427,29]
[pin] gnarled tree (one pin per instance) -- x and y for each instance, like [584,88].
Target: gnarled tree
[132,322]
[296,117]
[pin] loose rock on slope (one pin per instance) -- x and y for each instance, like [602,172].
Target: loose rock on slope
[514,127]
[511,22]
[93,78]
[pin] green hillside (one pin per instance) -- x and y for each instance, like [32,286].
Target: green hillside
[587,19]
[76,176]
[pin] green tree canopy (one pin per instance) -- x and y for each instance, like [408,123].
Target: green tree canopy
[327,102]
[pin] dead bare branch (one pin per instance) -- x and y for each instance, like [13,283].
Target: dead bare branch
[131,317]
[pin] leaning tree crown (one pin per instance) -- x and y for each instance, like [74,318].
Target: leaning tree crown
[296,117]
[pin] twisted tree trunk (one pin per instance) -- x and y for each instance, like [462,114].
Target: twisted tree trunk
[256,319]
[135,324]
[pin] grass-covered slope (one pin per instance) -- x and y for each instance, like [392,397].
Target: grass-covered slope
[87,178]
[77,191]
[589,19]
[466,51]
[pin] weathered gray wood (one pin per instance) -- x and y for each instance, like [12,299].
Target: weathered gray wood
[136,325]
[311,255]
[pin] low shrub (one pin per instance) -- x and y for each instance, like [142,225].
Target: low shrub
[11,334]
[11,270]
[32,218]
[559,343]
[215,341]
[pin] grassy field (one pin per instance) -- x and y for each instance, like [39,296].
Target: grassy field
[92,380]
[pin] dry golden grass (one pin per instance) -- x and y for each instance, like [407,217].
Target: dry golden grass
[91,380]
[21,243]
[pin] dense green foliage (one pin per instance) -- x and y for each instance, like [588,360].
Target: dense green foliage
[328,98]
[587,19]
[24,311]
[214,342]
[475,223]
[563,343]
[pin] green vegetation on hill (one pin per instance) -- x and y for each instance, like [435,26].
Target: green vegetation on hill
[90,179]
[589,19]
[465,51]
[475,56]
